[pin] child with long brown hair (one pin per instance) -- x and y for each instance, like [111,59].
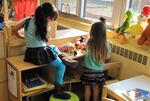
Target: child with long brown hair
[36,35]
[98,50]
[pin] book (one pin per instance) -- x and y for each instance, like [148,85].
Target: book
[33,82]
[137,94]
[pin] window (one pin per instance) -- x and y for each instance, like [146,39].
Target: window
[88,9]
[92,10]
[137,5]
[95,8]
[67,6]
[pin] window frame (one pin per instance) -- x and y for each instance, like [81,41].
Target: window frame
[57,5]
[119,8]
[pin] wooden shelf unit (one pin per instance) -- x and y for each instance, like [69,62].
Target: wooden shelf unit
[18,66]
[3,71]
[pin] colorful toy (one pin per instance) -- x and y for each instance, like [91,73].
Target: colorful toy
[81,43]
[126,23]
[71,48]
[67,48]
[119,35]
[145,37]
[136,30]
[63,48]
[75,47]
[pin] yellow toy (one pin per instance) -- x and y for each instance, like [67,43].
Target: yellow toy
[136,30]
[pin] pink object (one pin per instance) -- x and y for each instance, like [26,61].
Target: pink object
[60,48]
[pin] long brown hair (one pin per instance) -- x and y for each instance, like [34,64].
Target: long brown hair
[41,14]
[97,43]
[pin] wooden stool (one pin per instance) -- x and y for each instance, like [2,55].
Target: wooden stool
[73,97]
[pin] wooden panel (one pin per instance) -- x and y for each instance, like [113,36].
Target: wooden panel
[53,29]
[3,91]
[16,50]
[11,97]
[5,11]
[49,74]
[18,63]
[3,73]
[2,45]
[12,39]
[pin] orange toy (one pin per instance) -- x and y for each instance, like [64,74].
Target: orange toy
[120,38]
[145,37]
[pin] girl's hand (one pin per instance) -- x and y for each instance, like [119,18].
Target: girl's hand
[21,33]
[16,28]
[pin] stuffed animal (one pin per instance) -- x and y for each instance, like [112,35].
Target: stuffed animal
[136,29]
[119,35]
[63,48]
[71,48]
[126,23]
[145,37]
[81,43]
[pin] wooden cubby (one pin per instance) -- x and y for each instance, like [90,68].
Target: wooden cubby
[17,66]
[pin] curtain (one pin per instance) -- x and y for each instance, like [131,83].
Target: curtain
[24,8]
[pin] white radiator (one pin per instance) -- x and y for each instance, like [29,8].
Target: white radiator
[135,59]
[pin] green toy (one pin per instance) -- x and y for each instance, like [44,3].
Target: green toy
[126,23]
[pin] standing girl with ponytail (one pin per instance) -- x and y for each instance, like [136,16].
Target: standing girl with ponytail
[98,50]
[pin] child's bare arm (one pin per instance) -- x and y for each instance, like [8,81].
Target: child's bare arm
[109,66]
[17,30]
[108,56]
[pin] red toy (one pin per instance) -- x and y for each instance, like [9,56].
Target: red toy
[81,43]
[145,37]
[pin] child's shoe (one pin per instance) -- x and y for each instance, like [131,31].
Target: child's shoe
[59,93]
[68,61]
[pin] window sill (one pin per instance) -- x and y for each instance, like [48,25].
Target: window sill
[130,45]
[70,22]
